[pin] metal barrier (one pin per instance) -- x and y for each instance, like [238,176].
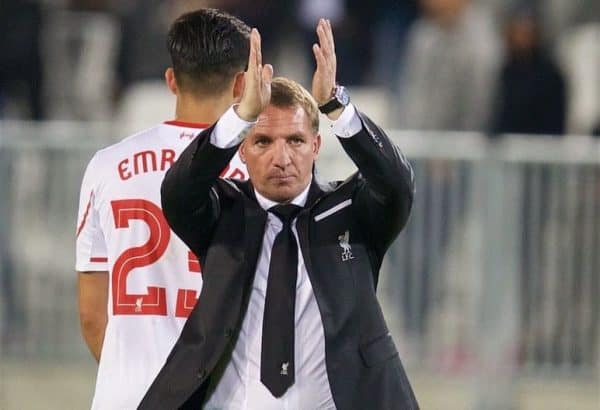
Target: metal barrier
[520,210]
[41,170]
[496,275]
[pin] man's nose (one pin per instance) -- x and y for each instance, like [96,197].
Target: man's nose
[281,155]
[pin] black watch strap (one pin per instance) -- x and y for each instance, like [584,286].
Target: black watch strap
[330,106]
[340,98]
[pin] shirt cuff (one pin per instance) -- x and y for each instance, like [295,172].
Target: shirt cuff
[348,124]
[230,130]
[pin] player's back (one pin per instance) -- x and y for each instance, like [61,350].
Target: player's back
[154,280]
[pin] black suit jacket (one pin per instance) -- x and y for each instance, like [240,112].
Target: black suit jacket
[223,224]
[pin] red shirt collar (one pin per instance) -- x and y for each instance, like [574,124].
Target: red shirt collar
[187,124]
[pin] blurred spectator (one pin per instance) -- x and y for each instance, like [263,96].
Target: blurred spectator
[272,18]
[575,25]
[579,52]
[79,42]
[531,97]
[393,20]
[560,16]
[450,65]
[452,57]
[20,62]
[353,22]
[142,51]
[354,41]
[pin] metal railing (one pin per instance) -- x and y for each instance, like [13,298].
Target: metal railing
[496,275]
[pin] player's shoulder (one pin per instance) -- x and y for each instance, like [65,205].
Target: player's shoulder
[130,143]
[141,138]
[114,152]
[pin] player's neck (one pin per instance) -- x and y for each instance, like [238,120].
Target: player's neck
[205,110]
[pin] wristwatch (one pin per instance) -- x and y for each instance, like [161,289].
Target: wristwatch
[340,98]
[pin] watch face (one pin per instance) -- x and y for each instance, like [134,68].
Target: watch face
[341,94]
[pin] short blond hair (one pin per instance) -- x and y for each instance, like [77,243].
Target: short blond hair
[288,93]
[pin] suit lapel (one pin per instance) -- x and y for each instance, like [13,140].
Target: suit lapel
[303,223]
[246,188]
[303,226]
[314,194]
[255,221]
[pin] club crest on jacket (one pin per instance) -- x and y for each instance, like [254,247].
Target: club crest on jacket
[345,245]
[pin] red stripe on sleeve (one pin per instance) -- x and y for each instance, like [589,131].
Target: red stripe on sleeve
[85,214]
[187,124]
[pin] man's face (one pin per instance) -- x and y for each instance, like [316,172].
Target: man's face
[280,151]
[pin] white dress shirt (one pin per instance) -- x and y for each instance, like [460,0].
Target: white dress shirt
[240,387]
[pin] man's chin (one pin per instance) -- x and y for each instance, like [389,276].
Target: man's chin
[282,193]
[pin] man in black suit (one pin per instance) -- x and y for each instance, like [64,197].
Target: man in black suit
[287,317]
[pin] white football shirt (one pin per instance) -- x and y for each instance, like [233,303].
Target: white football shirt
[154,280]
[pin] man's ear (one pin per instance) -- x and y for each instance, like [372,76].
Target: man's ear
[242,151]
[170,80]
[316,145]
[239,82]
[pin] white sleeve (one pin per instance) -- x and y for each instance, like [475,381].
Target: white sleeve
[348,124]
[90,246]
[230,130]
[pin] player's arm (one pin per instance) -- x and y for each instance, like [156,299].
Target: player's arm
[93,299]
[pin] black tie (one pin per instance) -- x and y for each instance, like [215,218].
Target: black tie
[277,353]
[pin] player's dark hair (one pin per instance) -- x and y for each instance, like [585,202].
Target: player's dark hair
[208,47]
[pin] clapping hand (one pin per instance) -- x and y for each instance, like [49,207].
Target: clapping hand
[257,85]
[324,81]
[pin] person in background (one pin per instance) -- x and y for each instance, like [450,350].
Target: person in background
[272,18]
[531,99]
[447,82]
[144,24]
[21,65]
[531,96]
[452,57]
[354,21]
[393,20]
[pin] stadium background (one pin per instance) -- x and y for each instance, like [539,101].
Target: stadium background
[492,290]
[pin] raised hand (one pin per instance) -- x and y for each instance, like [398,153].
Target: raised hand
[257,82]
[323,81]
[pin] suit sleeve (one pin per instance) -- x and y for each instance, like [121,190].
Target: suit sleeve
[386,183]
[189,194]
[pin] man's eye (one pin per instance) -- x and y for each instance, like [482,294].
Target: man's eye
[296,141]
[263,142]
